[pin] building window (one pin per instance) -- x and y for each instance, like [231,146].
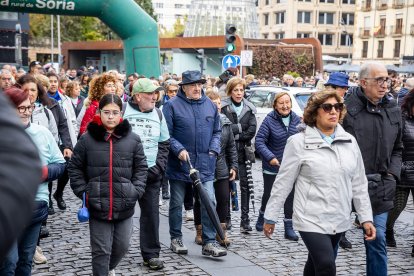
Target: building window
[280,1]
[280,18]
[11,16]
[351,2]
[327,1]
[266,19]
[305,0]
[326,18]
[304,17]
[344,41]
[380,49]
[326,39]
[178,6]
[279,35]
[267,2]
[398,25]
[364,49]
[265,36]
[159,5]
[347,19]
[397,46]
[303,35]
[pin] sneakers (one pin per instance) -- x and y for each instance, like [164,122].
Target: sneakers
[390,239]
[344,243]
[154,263]
[199,235]
[38,257]
[213,249]
[111,272]
[178,247]
[189,215]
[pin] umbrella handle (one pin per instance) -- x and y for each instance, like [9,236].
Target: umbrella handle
[189,162]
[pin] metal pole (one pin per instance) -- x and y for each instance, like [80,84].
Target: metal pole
[348,40]
[52,38]
[59,45]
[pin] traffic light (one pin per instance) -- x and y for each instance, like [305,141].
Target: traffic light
[200,54]
[230,38]
[202,58]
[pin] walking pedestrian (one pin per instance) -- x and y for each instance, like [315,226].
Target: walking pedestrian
[73,92]
[326,167]
[109,165]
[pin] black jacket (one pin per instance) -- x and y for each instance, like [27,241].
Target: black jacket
[20,170]
[61,123]
[377,130]
[407,169]
[227,159]
[111,169]
[79,106]
[243,127]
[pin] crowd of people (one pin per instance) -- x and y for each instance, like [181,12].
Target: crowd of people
[119,140]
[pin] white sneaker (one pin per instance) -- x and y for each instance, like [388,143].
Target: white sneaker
[38,257]
[111,272]
[189,215]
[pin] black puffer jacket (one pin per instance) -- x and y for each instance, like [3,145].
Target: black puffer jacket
[407,169]
[377,130]
[243,126]
[227,159]
[111,169]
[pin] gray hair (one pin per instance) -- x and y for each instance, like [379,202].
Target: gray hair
[4,71]
[409,83]
[366,69]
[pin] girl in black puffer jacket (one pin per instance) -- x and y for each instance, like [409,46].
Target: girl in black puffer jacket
[109,165]
[407,170]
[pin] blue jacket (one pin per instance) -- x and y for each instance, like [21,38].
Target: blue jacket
[195,127]
[272,137]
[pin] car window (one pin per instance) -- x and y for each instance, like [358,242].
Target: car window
[259,98]
[302,100]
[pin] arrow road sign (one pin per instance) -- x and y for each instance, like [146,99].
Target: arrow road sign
[238,60]
[228,61]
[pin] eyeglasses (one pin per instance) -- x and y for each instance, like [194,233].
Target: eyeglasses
[23,109]
[6,79]
[114,113]
[174,90]
[380,80]
[328,107]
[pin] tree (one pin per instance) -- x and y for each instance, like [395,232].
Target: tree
[178,29]
[146,5]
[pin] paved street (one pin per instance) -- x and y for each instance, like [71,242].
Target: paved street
[68,253]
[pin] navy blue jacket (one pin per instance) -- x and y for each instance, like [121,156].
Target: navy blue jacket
[272,137]
[194,125]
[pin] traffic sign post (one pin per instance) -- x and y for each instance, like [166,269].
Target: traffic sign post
[228,61]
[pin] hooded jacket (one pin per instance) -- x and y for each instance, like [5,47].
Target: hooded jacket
[327,179]
[194,125]
[272,137]
[227,159]
[377,130]
[110,168]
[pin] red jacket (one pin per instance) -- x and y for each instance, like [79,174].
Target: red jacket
[87,118]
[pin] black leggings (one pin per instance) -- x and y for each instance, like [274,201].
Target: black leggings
[268,180]
[188,198]
[222,193]
[321,256]
[400,201]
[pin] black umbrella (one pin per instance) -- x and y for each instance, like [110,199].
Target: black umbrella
[205,199]
[250,182]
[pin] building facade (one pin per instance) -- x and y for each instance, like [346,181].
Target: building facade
[331,21]
[169,11]
[385,31]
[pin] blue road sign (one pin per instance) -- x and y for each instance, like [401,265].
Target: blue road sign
[238,60]
[228,61]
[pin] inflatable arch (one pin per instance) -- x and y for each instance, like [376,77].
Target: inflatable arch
[128,20]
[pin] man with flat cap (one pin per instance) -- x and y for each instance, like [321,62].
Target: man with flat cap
[194,125]
[147,121]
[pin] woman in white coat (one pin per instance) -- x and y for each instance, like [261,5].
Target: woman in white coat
[325,164]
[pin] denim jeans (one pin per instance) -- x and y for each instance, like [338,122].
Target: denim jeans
[376,250]
[19,259]
[177,191]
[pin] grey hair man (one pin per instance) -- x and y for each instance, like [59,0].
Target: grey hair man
[6,79]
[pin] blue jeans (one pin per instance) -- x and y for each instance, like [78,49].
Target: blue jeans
[19,259]
[376,250]
[177,193]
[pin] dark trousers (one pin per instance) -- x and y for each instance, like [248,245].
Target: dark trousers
[268,180]
[400,201]
[222,193]
[244,193]
[149,221]
[322,253]
[61,182]
[188,198]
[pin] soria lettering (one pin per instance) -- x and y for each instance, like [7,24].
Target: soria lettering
[55,5]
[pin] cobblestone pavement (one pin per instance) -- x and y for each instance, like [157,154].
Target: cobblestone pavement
[68,252]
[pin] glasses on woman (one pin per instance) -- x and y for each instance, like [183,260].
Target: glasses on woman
[23,109]
[108,113]
[328,107]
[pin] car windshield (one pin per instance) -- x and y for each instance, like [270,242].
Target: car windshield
[302,100]
[260,98]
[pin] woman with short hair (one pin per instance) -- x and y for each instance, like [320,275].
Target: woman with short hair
[73,92]
[325,165]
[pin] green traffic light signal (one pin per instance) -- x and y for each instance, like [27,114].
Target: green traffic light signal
[230,38]
[230,48]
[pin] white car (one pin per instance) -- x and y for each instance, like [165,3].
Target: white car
[262,98]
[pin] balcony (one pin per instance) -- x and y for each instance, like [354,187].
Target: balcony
[364,33]
[382,5]
[366,6]
[397,30]
[380,33]
[398,4]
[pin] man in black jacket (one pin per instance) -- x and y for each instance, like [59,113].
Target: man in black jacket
[374,118]
[147,121]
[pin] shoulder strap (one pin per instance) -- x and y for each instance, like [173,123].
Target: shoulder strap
[159,113]
[124,106]
[47,113]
